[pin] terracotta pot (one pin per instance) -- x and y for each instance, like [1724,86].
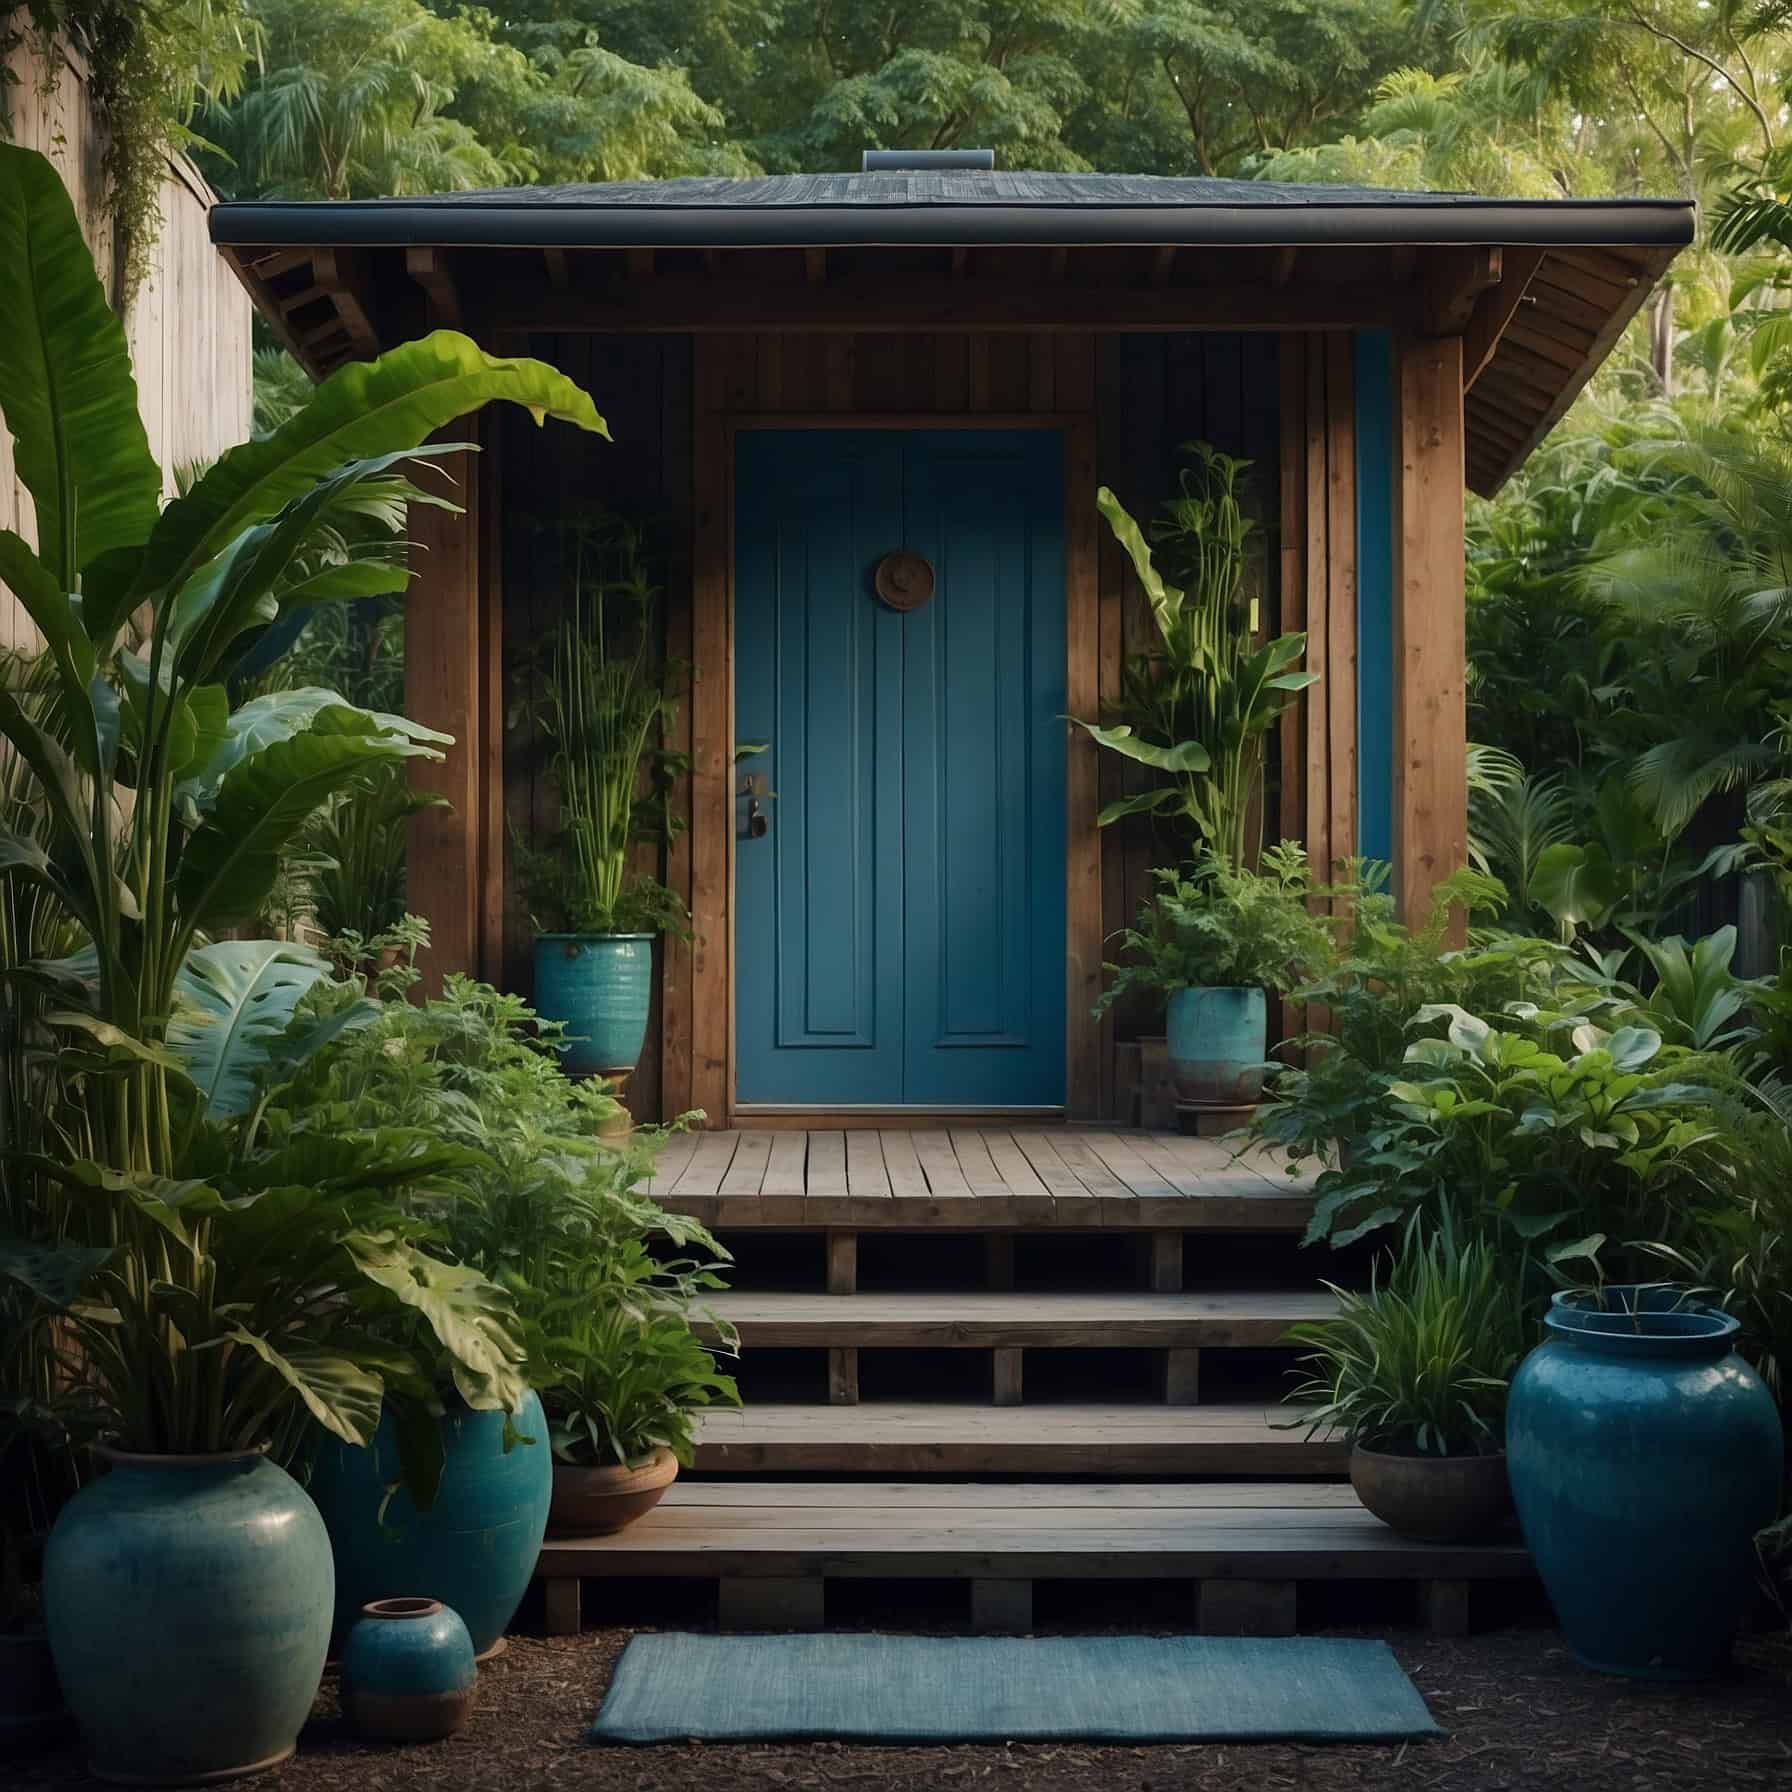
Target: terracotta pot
[592,1502]
[1435,1499]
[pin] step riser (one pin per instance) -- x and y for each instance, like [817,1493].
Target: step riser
[847,1456]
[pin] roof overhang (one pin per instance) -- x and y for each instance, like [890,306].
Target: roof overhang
[1540,291]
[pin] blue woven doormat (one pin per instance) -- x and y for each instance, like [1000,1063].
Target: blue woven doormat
[676,1688]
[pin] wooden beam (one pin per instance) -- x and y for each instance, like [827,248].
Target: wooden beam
[344,275]
[1452,287]
[1430,713]
[430,269]
[853,303]
[1282,270]
[639,263]
[444,671]
[559,278]
[815,266]
[1495,310]
[1163,260]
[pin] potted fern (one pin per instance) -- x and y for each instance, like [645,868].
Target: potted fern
[1209,944]
[1414,1374]
[601,707]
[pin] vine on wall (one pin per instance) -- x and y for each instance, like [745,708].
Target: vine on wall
[147,64]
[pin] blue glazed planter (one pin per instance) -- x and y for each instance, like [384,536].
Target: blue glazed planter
[189,1600]
[474,1549]
[408,1671]
[1644,1455]
[1216,1040]
[600,985]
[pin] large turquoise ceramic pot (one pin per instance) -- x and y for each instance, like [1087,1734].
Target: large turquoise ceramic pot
[1216,1040]
[601,986]
[474,1549]
[189,1602]
[1644,1456]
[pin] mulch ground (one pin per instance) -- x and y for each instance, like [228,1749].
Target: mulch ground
[1520,1713]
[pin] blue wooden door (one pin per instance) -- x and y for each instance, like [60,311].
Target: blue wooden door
[899,927]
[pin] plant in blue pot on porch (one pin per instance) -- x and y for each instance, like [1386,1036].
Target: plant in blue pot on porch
[598,704]
[1211,942]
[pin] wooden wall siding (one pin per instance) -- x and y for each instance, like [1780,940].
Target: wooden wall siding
[1318,758]
[189,326]
[667,400]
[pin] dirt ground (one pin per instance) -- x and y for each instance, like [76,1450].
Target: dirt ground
[1520,1712]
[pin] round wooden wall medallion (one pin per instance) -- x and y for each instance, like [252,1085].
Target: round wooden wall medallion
[905,580]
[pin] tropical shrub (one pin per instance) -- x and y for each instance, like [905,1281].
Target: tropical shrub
[1198,706]
[1421,1361]
[1605,1138]
[600,704]
[1218,927]
[216,1283]
[543,1203]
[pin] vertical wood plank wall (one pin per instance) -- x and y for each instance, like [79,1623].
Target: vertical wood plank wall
[665,398]
[189,326]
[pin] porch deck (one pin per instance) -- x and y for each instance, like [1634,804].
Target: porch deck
[979,1178]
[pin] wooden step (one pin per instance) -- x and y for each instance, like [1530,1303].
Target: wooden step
[771,1545]
[884,1438]
[976,1178]
[1019,1321]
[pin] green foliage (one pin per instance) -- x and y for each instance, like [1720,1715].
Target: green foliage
[1219,928]
[356,842]
[1200,704]
[543,1201]
[1421,1362]
[599,707]
[1605,1135]
[241,1274]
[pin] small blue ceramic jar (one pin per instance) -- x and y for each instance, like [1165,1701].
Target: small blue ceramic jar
[407,1671]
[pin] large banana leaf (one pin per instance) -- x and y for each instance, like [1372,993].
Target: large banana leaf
[65,380]
[366,409]
[1165,600]
[232,858]
[278,716]
[1185,756]
[236,1000]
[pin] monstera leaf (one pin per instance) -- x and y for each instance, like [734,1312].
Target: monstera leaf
[237,999]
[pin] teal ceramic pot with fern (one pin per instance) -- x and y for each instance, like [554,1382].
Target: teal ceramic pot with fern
[601,986]
[1644,1455]
[189,1602]
[1217,1040]
[474,1549]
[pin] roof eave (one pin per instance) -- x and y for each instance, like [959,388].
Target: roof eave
[1641,223]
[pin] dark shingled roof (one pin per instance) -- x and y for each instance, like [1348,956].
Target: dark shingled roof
[952,206]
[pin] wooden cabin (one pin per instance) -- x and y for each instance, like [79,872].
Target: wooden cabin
[885,1010]
[952,360]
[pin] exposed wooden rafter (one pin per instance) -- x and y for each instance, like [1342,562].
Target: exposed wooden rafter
[1453,285]
[430,270]
[1495,310]
[342,273]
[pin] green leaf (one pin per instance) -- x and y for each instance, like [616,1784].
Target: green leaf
[1578,886]
[66,389]
[50,607]
[341,584]
[1165,600]
[1630,1048]
[471,1317]
[232,859]
[1147,801]
[53,1273]
[339,1391]
[1185,756]
[235,1002]
[367,408]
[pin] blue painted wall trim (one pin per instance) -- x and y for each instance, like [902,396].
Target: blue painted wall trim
[1374,383]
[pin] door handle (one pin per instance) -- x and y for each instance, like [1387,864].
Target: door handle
[758,822]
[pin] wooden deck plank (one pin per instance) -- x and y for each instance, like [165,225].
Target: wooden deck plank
[939,1163]
[1072,1204]
[1033,1203]
[895,1438]
[1097,1179]
[708,1164]
[902,1166]
[786,1172]
[785,1498]
[975,1163]
[1124,1162]
[866,1177]
[674,1154]
[1020,1533]
[1021,1321]
[827,1164]
[746,1172]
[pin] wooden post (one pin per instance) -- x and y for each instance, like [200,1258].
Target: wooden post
[1430,702]
[562,1606]
[447,643]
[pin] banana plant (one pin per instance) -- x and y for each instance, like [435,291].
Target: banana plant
[159,812]
[1197,707]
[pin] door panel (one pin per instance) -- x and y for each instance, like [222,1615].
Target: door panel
[899,929]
